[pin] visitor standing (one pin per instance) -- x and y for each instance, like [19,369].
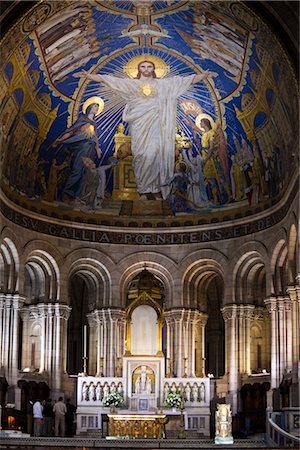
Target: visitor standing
[70,414]
[48,418]
[37,418]
[60,410]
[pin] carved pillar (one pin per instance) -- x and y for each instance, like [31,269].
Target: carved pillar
[230,315]
[271,305]
[93,344]
[61,316]
[294,294]
[281,337]
[17,304]
[203,321]
[168,349]
[178,348]
[110,337]
[248,316]
[289,334]
[2,331]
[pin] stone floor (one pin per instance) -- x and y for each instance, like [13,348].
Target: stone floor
[139,444]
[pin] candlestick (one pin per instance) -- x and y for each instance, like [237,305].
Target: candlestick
[84,341]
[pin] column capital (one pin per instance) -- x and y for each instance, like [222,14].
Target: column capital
[18,301]
[287,303]
[202,318]
[249,311]
[229,312]
[294,292]
[271,304]
[174,315]
[62,311]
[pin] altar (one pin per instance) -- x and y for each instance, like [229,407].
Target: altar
[134,426]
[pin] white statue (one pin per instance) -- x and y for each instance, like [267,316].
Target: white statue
[105,390]
[98,391]
[188,392]
[120,389]
[202,392]
[143,378]
[113,388]
[148,386]
[195,392]
[166,390]
[91,392]
[84,390]
[138,385]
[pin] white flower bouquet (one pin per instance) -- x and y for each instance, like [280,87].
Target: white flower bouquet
[173,400]
[113,399]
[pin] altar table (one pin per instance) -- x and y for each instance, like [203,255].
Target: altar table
[151,426]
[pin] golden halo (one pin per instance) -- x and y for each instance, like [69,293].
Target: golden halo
[178,164]
[90,101]
[161,68]
[204,116]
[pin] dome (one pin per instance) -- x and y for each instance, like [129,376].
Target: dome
[227,149]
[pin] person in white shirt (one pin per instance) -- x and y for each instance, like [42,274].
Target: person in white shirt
[38,419]
[59,410]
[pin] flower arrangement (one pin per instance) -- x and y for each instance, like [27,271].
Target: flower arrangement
[173,400]
[113,399]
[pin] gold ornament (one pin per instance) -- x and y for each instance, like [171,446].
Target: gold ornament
[90,101]
[161,68]
[147,90]
[205,116]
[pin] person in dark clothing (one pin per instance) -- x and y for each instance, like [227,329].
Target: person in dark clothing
[29,415]
[70,417]
[48,418]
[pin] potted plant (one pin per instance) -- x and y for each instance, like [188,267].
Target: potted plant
[173,400]
[113,400]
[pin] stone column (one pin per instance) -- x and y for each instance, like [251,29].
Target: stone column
[6,330]
[203,321]
[289,334]
[42,320]
[176,320]
[111,340]
[93,343]
[2,331]
[168,349]
[294,294]
[271,305]
[61,316]
[240,338]
[248,316]
[281,337]
[230,315]
[17,304]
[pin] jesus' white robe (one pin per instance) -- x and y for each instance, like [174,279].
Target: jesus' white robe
[152,122]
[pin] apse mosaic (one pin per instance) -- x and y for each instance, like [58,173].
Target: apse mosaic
[168,108]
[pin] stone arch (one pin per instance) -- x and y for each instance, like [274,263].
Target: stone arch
[250,274]
[292,254]
[41,277]
[203,289]
[97,280]
[93,263]
[198,270]
[159,265]
[279,262]
[10,266]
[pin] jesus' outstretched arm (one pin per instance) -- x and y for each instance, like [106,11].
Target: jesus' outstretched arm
[89,76]
[202,76]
